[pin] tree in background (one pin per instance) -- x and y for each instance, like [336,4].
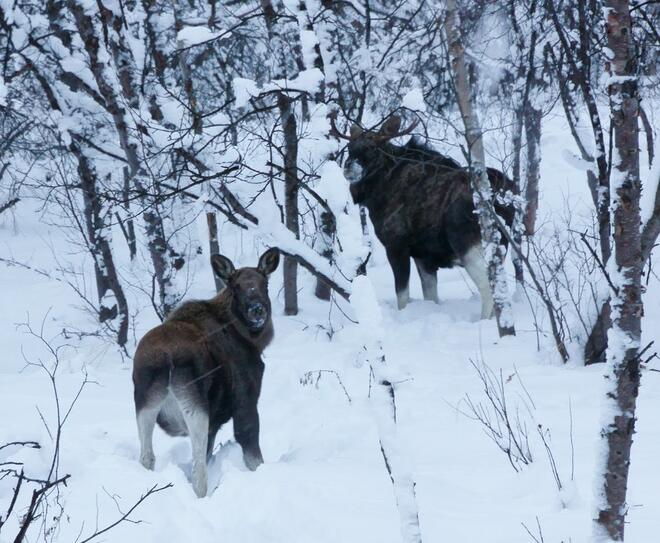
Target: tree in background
[494,251]
[623,353]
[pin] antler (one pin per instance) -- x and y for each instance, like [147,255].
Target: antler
[390,128]
[408,130]
[334,131]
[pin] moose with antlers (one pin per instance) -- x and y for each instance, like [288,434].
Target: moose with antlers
[421,205]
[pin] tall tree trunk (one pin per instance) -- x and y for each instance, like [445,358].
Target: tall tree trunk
[326,223]
[623,354]
[164,259]
[327,230]
[533,172]
[281,30]
[493,249]
[517,153]
[579,63]
[214,245]
[112,300]
[291,213]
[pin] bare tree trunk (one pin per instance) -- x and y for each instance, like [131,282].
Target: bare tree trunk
[533,171]
[326,223]
[214,246]
[623,355]
[494,251]
[115,99]
[327,230]
[112,300]
[129,222]
[291,214]
[281,29]
[518,218]
[579,62]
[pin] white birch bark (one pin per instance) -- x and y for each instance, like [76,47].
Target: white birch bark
[494,251]
[623,352]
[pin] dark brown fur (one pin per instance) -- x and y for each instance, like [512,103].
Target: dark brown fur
[420,202]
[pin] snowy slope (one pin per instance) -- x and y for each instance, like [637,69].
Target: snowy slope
[324,479]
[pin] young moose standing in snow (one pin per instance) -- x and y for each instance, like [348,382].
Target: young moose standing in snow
[203,366]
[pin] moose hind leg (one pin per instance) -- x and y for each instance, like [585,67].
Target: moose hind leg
[429,281]
[475,265]
[196,417]
[149,393]
[400,263]
[146,420]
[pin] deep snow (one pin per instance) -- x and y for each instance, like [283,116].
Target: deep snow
[323,477]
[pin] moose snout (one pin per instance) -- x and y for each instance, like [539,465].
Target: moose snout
[256,311]
[353,171]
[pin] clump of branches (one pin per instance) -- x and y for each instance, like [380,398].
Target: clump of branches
[37,499]
[312,378]
[537,536]
[501,421]
[510,423]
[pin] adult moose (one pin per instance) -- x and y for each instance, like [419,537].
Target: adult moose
[421,205]
[202,367]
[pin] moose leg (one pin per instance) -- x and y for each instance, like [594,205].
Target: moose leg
[429,281]
[210,443]
[475,266]
[246,432]
[148,399]
[400,263]
[197,421]
[146,420]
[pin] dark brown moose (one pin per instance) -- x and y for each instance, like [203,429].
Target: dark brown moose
[202,367]
[421,205]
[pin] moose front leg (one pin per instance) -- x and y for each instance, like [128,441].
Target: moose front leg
[246,432]
[429,279]
[400,263]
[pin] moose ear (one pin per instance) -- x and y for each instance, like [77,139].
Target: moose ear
[390,127]
[356,131]
[222,267]
[269,260]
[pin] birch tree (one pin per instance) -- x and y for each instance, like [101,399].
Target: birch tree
[494,252]
[623,354]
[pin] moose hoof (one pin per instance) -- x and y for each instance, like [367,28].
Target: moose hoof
[148,460]
[199,483]
[200,489]
[252,462]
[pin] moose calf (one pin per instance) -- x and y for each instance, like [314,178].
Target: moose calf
[202,367]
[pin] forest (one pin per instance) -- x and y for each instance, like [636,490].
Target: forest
[452,208]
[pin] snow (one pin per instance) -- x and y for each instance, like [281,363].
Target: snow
[3,92]
[196,35]
[414,100]
[323,477]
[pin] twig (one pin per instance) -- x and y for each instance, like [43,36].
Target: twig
[124,518]
[307,378]
[583,237]
[4,207]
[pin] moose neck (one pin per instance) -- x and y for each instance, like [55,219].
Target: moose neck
[226,310]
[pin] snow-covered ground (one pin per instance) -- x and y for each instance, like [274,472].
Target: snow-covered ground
[324,477]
